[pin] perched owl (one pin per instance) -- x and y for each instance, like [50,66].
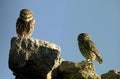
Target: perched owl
[25,23]
[88,48]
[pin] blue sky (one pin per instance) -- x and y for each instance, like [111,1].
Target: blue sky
[60,21]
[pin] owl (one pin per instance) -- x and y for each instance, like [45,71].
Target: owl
[88,49]
[25,23]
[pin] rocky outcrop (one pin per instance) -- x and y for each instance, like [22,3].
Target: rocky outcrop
[38,59]
[112,74]
[33,59]
[77,70]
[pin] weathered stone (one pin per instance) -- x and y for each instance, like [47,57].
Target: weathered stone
[77,70]
[112,74]
[33,59]
[37,59]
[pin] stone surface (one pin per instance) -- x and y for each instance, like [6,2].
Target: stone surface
[112,74]
[38,59]
[77,70]
[33,59]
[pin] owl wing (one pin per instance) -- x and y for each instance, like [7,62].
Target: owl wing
[19,26]
[93,49]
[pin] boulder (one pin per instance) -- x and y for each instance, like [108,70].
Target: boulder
[77,70]
[112,74]
[33,59]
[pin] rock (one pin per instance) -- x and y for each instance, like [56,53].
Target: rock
[77,70]
[33,59]
[112,74]
[38,59]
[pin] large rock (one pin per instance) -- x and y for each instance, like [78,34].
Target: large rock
[38,59]
[33,59]
[77,70]
[112,74]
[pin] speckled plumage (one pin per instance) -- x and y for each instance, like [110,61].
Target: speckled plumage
[88,49]
[25,23]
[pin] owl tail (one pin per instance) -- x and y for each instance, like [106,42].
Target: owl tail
[99,59]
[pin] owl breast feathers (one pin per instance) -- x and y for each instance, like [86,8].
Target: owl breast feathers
[88,49]
[25,23]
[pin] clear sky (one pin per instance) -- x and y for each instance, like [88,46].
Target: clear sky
[60,21]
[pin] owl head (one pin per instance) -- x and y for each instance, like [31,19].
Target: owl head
[26,14]
[83,37]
